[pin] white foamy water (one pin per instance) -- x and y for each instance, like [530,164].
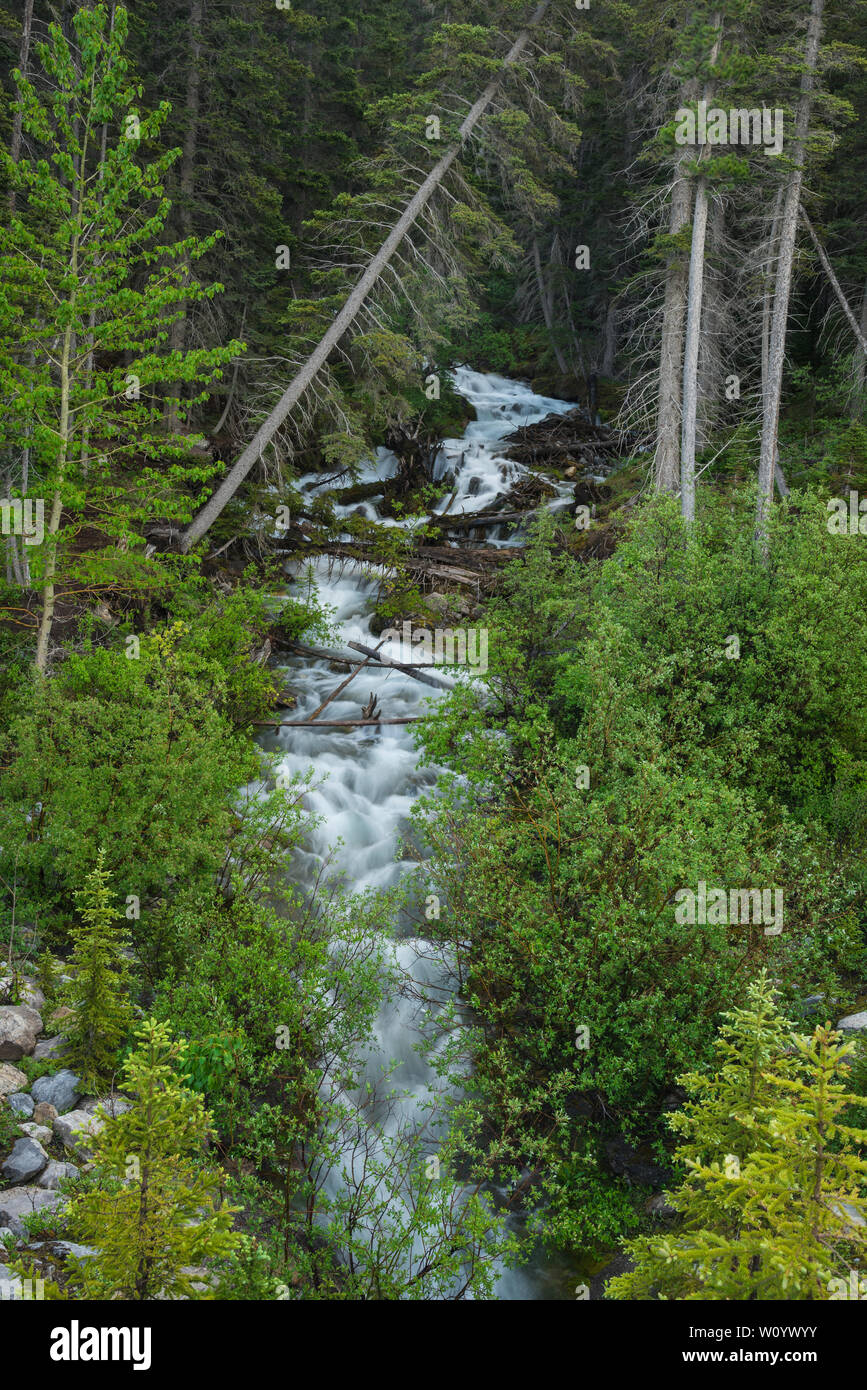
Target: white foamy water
[366,779]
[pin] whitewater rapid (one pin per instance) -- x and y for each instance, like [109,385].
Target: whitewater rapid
[367,779]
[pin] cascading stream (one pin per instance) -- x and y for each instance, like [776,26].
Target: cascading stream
[368,778]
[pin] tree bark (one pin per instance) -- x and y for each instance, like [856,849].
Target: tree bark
[693,322]
[835,283]
[609,339]
[545,301]
[666,466]
[783,286]
[690,353]
[711,373]
[768,298]
[48,588]
[230,484]
[860,372]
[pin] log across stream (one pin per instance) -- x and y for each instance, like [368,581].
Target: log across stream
[368,777]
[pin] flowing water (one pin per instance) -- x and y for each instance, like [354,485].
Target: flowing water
[368,778]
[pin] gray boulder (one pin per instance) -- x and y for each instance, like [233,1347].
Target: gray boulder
[30,992]
[60,1090]
[50,1177]
[112,1106]
[850,1215]
[26,1160]
[854,1023]
[42,1133]
[20,1103]
[11,1079]
[65,1248]
[75,1129]
[51,1047]
[17,1202]
[20,1026]
[659,1206]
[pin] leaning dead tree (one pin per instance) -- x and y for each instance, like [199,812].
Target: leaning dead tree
[835,283]
[205,518]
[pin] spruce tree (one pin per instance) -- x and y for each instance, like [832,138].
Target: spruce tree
[775,1197]
[99,992]
[152,1209]
[87,301]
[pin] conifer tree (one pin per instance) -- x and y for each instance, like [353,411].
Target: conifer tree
[774,1200]
[86,302]
[99,992]
[153,1208]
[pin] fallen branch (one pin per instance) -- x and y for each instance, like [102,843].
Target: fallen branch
[301,649]
[449,572]
[351,677]
[320,653]
[333,723]
[401,666]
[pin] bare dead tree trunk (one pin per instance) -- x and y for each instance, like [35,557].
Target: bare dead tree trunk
[714,327]
[666,466]
[782,290]
[545,301]
[299,384]
[767,309]
[768,298]
[835,283]
[693,322]
[859,374]
[690,353]
[609,339]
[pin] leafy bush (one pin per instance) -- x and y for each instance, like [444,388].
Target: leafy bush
[622,747]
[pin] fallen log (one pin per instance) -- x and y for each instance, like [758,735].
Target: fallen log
[343,684]
[301,649]
[450,572]
[321,654]
[470,519]
[476,557]
[402,666]
[360,492]
[204,519]
[334,723]
[570,433]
